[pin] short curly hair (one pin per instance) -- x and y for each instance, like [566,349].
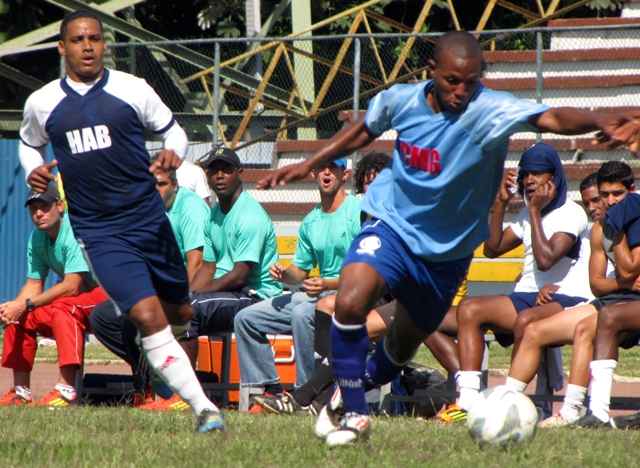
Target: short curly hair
[371,162]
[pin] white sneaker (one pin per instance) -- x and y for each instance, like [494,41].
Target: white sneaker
[355,427]
[330,417]
[554,421]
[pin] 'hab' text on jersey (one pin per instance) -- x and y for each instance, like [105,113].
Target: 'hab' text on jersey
[98,139]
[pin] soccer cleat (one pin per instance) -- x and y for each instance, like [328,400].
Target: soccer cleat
[140,399]
[626,422]
[330,417]
[283,403]
[175,403]
[589,421]
[54,400]
[555,421]
[355,427]
[13,398]
[159,386]
[209,421]
[452,414]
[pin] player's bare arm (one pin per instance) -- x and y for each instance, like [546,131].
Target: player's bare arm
[600,284]
[620,130]
[167,160]
[194,262]
[627,260]
[544,295]
[547,252]
[351,138]
[203,276]
[40,177]
[502,240]
[235,280]
[290,275]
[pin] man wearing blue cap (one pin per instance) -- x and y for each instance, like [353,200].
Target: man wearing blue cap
[552,229]
[323,240]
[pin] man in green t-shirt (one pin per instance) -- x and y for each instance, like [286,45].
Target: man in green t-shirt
[323,240]
[61,311]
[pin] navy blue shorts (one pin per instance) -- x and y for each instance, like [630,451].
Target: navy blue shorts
[139,264]
[526,300]
[426,289]
[214,311]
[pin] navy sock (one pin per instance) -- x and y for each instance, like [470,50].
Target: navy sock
[380,369]
[273,389]
[350,344]
[321,337]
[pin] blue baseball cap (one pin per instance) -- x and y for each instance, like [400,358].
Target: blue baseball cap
[341,162]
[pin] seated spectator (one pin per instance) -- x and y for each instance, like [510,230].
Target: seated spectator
[617,323]
[576,324]
[239,246]
[552,230]
[323,239]
[61,311]
[316,392]
[192,177]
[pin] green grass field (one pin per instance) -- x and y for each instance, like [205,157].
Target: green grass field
[105,437]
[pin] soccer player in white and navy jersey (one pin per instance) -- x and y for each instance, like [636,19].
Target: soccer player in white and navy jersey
[95,120]
[430,211]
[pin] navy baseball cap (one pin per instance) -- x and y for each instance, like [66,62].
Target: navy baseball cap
[223,154]
[50,195]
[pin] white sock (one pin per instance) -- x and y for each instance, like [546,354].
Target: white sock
[469,383]
[601,382]
[573,402]
[170,361]
[515,385]
[67,391]
[22,391]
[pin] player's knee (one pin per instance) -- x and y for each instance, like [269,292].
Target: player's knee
[585,331]
[468,311]
[532,335]
[350,309]
[327,304]
[523,320]
[607,320]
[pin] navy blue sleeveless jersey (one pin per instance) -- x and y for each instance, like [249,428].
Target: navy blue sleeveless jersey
[99,143]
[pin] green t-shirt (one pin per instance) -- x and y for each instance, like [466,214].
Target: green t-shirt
[245,234]
[189,216]
[62,256]
[324,238]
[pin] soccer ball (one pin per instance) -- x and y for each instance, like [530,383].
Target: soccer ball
[502,417]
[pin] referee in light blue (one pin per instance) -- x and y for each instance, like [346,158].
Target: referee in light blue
[430,211]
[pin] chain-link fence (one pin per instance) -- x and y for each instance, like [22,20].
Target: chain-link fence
[276,100]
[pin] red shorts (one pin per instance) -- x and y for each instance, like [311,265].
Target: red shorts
[66,319]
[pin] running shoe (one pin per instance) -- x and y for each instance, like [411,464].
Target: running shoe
[54,400]
[283,403]
[555,421]
[452,414]
[626,422]
[175,403]
[589,421]
[355,427]
[13,398]
[145,398]
[209,421]
[159,386]
[330,417]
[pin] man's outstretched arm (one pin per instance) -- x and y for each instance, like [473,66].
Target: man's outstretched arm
[351,138]
[619,129]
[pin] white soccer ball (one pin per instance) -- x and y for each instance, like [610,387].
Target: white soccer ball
[500,416]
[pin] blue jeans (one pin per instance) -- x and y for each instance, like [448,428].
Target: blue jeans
[286,314]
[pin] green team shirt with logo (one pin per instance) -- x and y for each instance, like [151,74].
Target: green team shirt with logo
[324,238]
[189,216]
[63,256]
[245,234]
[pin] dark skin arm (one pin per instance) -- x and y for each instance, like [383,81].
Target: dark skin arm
[351,138]
[600,284]
[235,280]
[627,260]
[547,252]
[617,129]
[501,241]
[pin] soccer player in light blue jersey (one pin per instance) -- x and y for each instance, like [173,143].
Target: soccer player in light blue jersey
[430,211]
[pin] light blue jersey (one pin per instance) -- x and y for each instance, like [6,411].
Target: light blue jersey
[446,168]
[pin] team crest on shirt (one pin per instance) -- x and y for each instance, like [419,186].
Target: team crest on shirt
[369,245]
[89,139]
[424,159]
